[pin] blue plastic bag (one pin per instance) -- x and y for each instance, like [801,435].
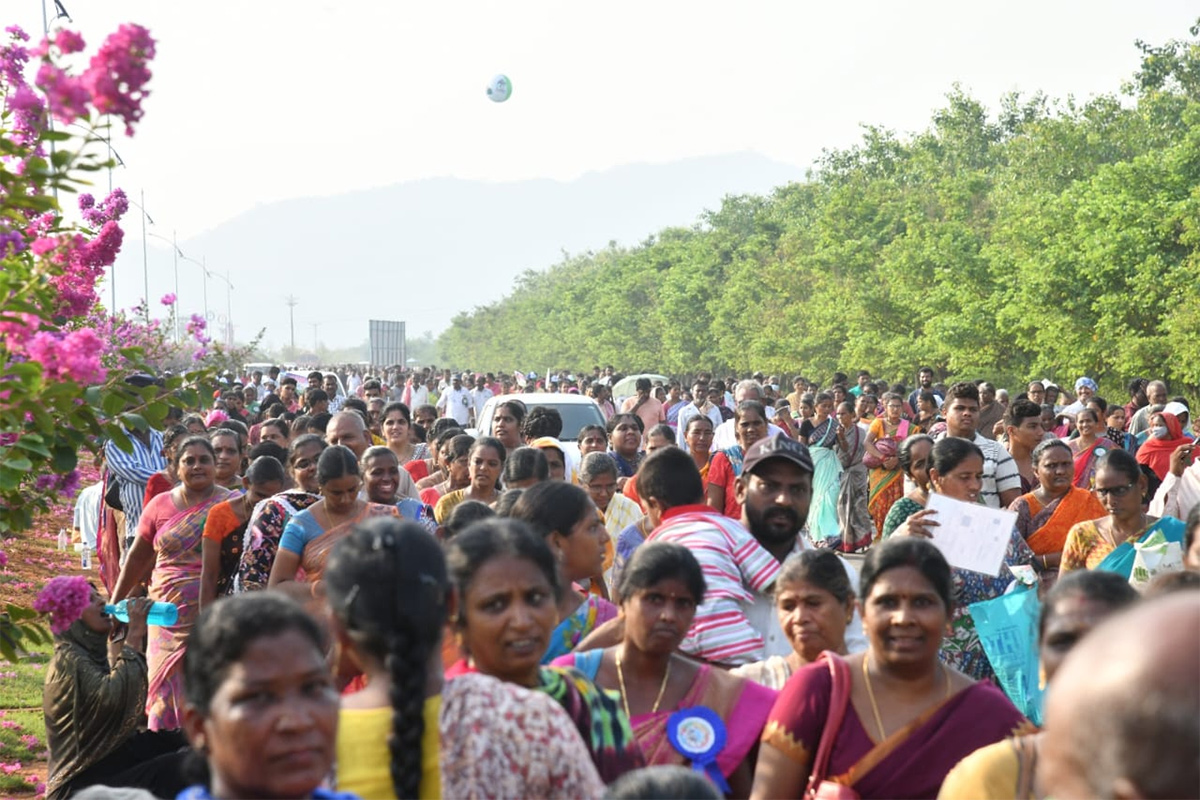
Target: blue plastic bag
[1008,629]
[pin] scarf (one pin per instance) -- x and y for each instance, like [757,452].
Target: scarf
[1156,453]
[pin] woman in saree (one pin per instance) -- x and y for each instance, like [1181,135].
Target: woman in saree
[484,468]
[855,527]
[1046,514]
[1089,447]
[909,717]
[660,591]
[381,484]
[167,550]
[508,586]
[270,517]
[749,425]
[1108,543]
[913,457]
[309,535]
[886,479]
[823,512]
[565,516]
[956,471]
[1075,606]
[227,445]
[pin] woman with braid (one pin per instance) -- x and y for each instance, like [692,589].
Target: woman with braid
[408,734]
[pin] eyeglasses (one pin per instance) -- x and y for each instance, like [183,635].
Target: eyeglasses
[1114,491]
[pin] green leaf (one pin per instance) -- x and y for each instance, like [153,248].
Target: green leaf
[136,421]
[114,403]
[19,613]
[64,459]
[34,444]
[18,463]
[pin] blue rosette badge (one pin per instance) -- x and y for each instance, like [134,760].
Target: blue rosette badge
[699,735]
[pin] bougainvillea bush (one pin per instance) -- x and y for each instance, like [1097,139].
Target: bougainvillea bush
[64,358]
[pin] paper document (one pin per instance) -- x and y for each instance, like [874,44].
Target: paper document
[971,535]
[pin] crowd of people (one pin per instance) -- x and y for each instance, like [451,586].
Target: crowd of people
[375,599]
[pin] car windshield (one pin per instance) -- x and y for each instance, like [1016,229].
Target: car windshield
[574,416]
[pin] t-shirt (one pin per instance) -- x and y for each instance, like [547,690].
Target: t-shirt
[720,473]
[735,567]
[364,759]
[87,514]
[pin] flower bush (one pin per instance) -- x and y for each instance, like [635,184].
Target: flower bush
[64,358]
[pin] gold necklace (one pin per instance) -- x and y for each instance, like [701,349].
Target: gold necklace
[661,689]
[871,695]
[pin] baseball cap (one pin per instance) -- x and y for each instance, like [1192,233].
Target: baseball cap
[777,446]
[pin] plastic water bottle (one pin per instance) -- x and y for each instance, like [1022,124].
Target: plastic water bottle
[62,538]
[160,613]
[85,559]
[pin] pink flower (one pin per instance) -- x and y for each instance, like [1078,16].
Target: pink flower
[3,559]
[64,598]
[66,95]
[30,741]
[117,75]
[168,299]
[9,769]
[68,42]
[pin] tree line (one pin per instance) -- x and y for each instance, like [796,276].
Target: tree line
[1052,238]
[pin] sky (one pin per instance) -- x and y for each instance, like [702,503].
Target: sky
[257,102]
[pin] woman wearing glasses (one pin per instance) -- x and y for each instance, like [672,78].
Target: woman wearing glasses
[1108,543]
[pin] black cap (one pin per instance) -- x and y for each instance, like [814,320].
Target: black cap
[777,446]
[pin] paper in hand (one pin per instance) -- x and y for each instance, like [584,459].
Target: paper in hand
[971,535]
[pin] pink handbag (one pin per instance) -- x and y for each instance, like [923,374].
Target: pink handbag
[839,698]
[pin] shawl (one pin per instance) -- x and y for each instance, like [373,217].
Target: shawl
[90,709]
[1077,505]
[1156,453]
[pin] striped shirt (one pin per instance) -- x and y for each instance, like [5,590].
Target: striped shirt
[132,470]
[736,567]
[999,470]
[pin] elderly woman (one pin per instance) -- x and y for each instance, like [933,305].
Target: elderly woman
[1089,447]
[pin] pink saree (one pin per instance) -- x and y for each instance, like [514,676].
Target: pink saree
[176,579]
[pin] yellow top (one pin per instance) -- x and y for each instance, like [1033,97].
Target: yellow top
[1004,769]
[363,759]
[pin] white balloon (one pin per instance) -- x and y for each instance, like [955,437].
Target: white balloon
[500,89]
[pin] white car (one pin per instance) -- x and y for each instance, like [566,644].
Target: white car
[576,411]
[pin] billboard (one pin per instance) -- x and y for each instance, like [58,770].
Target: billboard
[387,343]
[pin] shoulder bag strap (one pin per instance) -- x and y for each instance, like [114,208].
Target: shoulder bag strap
[839,699]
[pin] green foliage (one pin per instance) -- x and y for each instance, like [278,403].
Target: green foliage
[1055,239]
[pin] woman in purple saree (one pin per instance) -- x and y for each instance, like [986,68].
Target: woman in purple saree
[908,718]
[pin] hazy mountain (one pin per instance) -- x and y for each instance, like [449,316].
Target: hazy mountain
[348,258]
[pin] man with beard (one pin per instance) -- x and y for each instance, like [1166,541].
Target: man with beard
[924,384]
[775,489]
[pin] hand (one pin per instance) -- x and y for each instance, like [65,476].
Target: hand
[920,524]
[138,608]
[1181,459]
[891,462]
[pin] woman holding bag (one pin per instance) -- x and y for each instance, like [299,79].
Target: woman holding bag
[892,721]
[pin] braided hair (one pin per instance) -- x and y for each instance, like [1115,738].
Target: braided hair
[388,586]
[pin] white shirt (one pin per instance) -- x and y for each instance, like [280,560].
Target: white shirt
[419,396]
[87,514]
[726,437]
[478,398]
[1177,496]
[456,403]
[763,617]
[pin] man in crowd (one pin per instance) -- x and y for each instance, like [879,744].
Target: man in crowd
[330,385]
[348,429]
[1001,479]
[991,410]
[924,384]
[1156,395]
[775,490]
[1122,713]
[736,566]
[479,396]
[456,402]
[288,395]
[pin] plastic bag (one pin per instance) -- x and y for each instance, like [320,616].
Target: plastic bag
[1007,628]
[1152,556]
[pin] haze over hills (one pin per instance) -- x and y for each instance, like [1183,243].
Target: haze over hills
[349,258]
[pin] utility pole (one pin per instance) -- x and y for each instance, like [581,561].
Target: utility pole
[316,327]
[292,302]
